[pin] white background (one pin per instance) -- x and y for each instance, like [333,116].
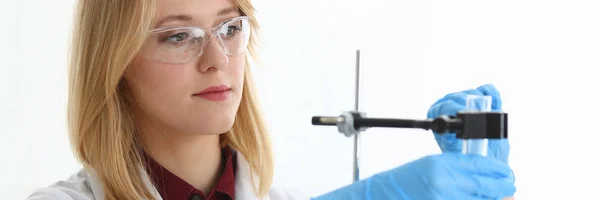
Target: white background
[541,55]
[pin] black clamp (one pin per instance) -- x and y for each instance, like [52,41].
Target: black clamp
[466,125]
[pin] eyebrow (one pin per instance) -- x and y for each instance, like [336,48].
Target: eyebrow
[187,18]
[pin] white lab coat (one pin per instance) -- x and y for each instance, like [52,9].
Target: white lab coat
[86,186]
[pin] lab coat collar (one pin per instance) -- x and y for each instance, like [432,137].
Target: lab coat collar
[243,183]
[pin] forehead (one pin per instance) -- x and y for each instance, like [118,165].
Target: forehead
[202,11]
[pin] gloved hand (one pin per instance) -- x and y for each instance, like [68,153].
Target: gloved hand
[445,176]
[454,102]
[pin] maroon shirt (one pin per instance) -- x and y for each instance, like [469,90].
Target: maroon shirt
[171,187]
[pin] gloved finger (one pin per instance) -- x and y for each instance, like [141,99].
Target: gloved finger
[460,194]
[485,166]
[458,97]
[454,94]
[448,142]
[490,90]
[463,93]
[489,187]
[449,107]
[435,110]
[499,149]
[461,97]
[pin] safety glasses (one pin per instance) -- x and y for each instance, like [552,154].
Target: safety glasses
[179,45]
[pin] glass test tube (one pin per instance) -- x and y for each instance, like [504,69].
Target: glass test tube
[477,103]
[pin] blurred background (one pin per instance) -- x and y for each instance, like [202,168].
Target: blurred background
[543,56]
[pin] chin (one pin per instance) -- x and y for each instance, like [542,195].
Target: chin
[223,128]
[214,126]
[212,119]
[209,130]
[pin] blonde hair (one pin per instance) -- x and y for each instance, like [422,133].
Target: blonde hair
[106,37]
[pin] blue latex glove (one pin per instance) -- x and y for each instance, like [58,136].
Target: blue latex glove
[454,102]
[445,176]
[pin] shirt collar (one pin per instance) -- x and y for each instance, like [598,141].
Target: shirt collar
[171,187]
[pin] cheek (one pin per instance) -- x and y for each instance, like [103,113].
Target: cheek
[236,69]
[157,88]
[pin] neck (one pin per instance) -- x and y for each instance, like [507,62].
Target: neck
[194,158]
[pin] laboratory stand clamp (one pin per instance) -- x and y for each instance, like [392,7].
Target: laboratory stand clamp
[467,125]
[475,125]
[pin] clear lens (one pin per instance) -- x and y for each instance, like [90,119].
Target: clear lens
[234,36]
[182,44]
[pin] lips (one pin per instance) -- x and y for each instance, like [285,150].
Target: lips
[215,93]
[214,89]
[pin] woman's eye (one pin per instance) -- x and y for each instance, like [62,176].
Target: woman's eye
[177,38]
[233,30]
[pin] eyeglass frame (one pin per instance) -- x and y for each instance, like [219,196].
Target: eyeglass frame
[213,34]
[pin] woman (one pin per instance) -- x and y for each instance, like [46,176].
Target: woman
[160,108]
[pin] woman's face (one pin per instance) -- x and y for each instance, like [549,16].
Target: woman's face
[176,90]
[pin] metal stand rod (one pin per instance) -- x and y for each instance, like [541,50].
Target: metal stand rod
[356,164]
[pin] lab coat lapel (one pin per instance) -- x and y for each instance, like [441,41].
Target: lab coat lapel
[243,183]
[98,190]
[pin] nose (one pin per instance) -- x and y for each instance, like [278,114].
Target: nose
[213,57]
